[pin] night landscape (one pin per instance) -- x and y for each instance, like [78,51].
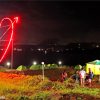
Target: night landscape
[40,40]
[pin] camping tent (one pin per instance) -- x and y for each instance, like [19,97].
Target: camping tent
[95,67]
[21,68]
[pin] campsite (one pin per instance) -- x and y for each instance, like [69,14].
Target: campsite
[49,49]
[25,84]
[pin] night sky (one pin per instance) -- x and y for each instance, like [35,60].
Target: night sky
[60,21]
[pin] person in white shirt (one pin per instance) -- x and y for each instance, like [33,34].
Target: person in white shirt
[82,75]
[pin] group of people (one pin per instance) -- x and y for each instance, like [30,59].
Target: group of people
[81,76]
[85,77]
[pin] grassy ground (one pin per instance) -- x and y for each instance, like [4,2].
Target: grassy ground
[32,87]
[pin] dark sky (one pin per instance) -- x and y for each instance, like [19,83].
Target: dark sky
[60,21]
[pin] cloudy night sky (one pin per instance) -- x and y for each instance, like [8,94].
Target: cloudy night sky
[62,21]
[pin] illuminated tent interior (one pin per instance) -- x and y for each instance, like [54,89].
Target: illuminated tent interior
[94,66]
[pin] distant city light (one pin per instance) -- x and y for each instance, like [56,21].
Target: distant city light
[39,49]
[97,46]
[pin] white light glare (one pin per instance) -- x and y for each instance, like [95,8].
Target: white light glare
[59,62]
[8,63]
[42,63]
[34,63]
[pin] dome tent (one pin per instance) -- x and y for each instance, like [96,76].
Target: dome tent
[21,68]
[78,67]
[95,67]
[35,67]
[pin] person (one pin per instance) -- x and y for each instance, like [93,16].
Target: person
[82,75]
[90,76]
[77,78]
[87,78]
[64,76]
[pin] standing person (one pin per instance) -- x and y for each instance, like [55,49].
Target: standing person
[77,77]
[82,75]
[90,76]
[64,75]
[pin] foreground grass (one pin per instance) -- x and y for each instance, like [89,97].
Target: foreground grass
[21,87]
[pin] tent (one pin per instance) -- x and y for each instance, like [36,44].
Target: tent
[78,67]
[95,67]
[21,68]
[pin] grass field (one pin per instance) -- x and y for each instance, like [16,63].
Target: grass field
[29,85]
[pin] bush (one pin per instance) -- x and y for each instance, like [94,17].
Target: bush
[42,95]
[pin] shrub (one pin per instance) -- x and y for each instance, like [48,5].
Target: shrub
[42,95]
[2,69]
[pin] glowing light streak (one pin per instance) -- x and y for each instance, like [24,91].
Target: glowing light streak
[11,37]
[16,19]
[5,26]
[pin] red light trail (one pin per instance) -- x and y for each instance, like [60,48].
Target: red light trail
[11,26]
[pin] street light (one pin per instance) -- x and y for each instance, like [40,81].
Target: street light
[42,69]
[8,64]
[42,63]
[60,63]
[34,63]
